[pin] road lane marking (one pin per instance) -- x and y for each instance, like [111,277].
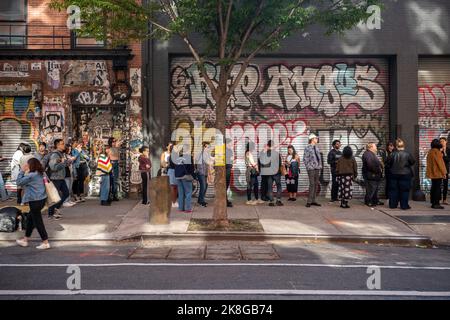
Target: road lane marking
[292,265]
[229,292]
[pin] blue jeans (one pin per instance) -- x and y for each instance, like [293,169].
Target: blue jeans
[104,187]
[115,178]
[61,186]
[399,187]
[3,195]
[203,187]
[184,195]
[270,180]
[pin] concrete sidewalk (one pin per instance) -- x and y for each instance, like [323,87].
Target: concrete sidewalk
[329,222]
[129,220]
[84,221]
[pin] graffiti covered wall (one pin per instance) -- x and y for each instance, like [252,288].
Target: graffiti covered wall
[337,99]
[434,108]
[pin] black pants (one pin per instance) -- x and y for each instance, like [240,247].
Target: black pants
[399,188]
[372,187]
[436,191]
[252,185]
[444,189]
[229,168]
[264,188]
[35,219]
[334,188]
[78,184]
[61,186]
[145,177]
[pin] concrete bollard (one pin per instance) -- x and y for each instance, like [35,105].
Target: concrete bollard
[160,200]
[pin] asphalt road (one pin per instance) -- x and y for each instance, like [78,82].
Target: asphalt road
[304,271]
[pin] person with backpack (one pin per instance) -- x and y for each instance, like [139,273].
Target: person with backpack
[57,174]
[31,179]
[346,172]
[104,168]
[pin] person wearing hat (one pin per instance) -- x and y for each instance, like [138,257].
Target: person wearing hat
[312,159]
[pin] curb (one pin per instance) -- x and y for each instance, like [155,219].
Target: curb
[239,236]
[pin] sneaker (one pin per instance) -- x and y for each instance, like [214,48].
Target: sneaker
[250,203]
[271,204]
[308,205]
[81,199]
[279,203]
[22,243]
[175,205]
[105,203]
[259,201]
[437,206]
[68,204]
[44,246]
[316,204]
[229,205]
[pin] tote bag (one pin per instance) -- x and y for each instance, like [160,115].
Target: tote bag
[53,196]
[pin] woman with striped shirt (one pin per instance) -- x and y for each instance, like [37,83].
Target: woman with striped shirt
[104,168]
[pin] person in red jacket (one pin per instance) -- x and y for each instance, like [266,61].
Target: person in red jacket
[145,166]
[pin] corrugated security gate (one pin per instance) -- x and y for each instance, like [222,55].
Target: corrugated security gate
[16,125]
[434,107]
[286,99]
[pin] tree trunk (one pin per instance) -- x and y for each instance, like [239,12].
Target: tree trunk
[220,204]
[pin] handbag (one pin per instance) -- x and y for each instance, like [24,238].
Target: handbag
[283,170]
[53,196]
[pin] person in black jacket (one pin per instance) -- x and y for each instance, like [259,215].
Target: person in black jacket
[372,171]
[333,157]
[446,153]
[385,154]
[400,163]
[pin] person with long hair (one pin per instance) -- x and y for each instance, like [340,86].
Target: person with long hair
[80,170]
[346,172]
[104,168]
[145,167]
[436,171]
[31,179]
[400,163]
[312,158]
[3,194]
[171,173]
[251,175]
[292,165]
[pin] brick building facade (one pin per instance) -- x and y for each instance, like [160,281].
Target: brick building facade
[55,85]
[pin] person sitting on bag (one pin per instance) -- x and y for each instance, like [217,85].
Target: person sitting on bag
[31,179]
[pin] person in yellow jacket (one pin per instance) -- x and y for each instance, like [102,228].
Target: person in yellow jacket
[436,171]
